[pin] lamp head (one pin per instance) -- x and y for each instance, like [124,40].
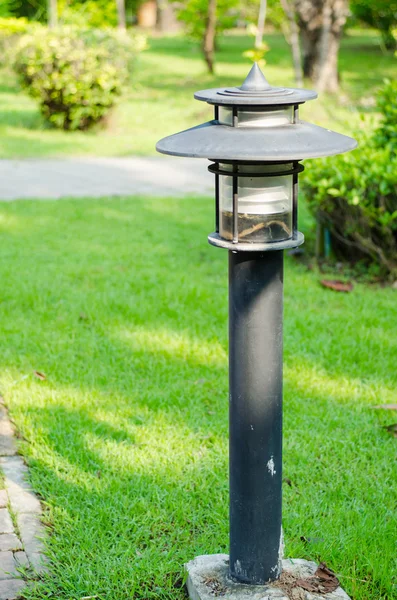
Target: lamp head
[256,142]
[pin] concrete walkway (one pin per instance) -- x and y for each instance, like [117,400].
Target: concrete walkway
[21,530]
[95,177]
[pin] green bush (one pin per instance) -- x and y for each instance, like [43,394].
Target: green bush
[10,26]
[386,134]
[355,197]
[11,30]
[76,75]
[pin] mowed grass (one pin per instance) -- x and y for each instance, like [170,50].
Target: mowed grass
[160,100]
[122,305]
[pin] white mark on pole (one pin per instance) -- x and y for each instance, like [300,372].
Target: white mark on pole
[237,567]
[281,547]
[271,466]
[252,427]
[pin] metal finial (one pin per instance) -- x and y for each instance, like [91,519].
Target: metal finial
[255,81]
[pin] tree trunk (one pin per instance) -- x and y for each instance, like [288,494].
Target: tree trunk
[147,14]
[209,36]
[166,18]
[293,40]
[321,25]
[121,22]
[261,23]
[52,7]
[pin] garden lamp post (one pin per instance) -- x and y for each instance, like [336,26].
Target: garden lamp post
[255,144]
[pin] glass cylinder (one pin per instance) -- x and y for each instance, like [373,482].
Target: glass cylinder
[264,204]
[257,118]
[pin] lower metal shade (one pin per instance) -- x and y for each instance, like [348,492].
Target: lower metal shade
[282,143]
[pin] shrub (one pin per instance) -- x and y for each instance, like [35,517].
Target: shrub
[11,30]
[76,75]
[386,134]
[11,26]
[355,196]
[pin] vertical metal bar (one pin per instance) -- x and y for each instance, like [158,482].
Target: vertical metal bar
[235,116]
[295,203]
[216,113]
[255,414]
[217,201]
[296,113]
[235,204]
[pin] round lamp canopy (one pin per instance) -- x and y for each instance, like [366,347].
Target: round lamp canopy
[256,122]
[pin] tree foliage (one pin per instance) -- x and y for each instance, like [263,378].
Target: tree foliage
[381,14]
[94,13]
[194,13]
[90,13]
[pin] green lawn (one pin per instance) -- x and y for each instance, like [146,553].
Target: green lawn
[122,304]
[160,100]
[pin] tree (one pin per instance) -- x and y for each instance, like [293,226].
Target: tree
[292,36]
[261,23]
[166,17]
[209,36]
[321,25]
[52,9]
[204,20]
[381,14]
[8,8]
[121,14]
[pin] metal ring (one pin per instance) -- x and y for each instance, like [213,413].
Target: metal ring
[216,240]
[214,168]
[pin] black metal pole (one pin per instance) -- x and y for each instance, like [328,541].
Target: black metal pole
[255,363]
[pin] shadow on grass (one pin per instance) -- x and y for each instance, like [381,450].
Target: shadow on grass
[123,306]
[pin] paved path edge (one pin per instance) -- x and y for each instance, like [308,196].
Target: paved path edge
[22,532]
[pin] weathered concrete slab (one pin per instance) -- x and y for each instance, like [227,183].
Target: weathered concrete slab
[32,532]
[23,501]
[8,567]
[7,440]
[15,472]
[17,553]
[208,578]
[9,541]
[20,496]
[11,588]
[38,562]
[21,559]
[5,521]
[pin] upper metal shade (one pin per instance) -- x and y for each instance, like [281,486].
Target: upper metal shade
[291,141]
[255,91]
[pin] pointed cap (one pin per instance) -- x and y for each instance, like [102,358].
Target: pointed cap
[255,91]
[255,81]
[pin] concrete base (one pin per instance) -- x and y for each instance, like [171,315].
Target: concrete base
[208,579]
